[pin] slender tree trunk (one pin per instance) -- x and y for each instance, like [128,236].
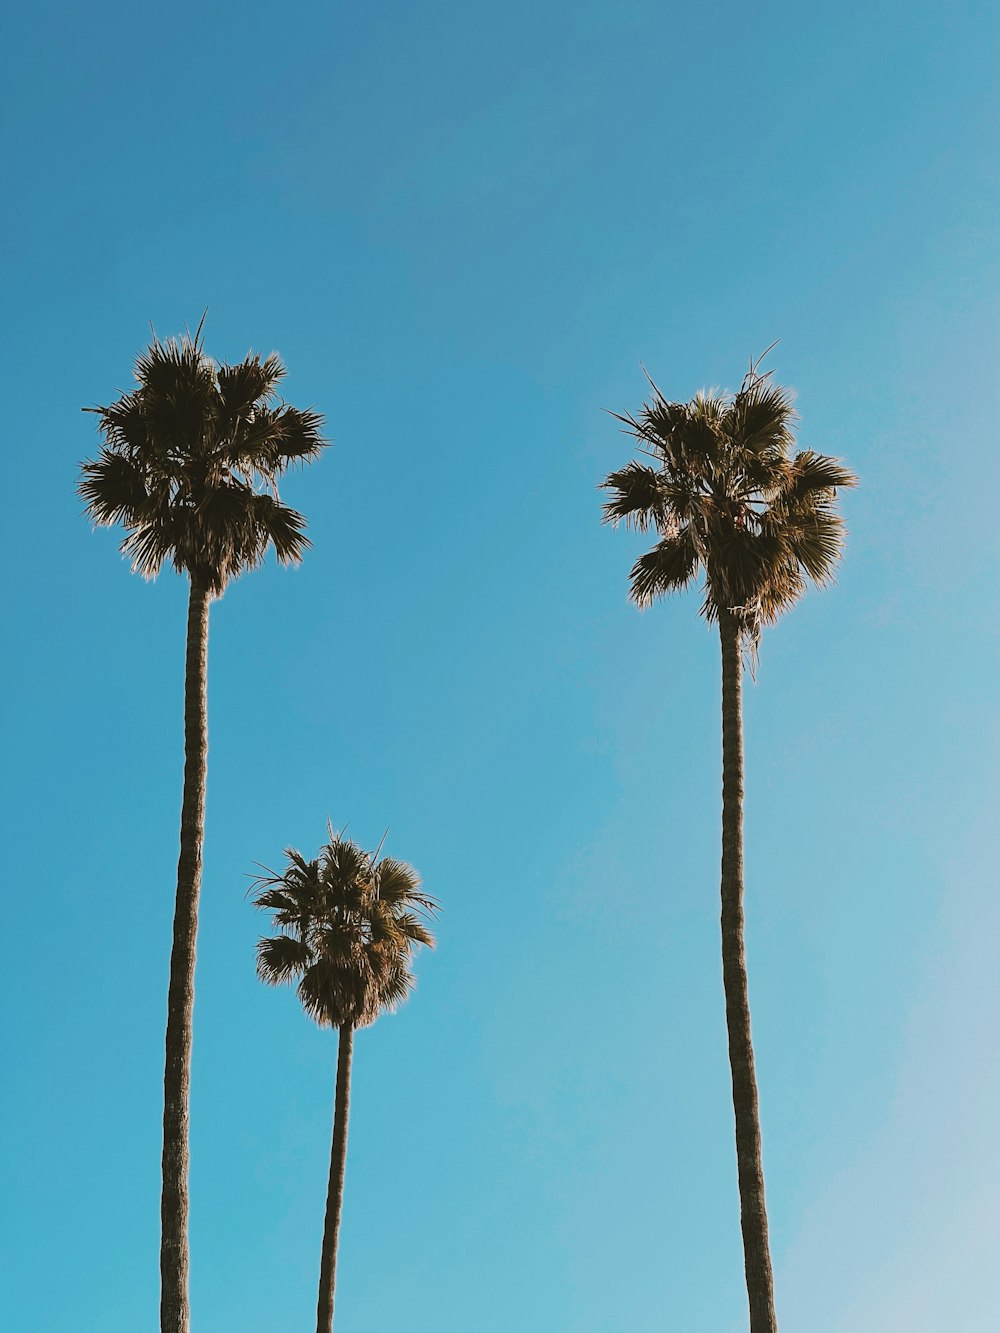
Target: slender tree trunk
[753,1213]
[175,1313]
[335,1189]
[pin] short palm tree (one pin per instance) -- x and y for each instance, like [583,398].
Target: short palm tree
[189,467]
[732,501]
[348,924]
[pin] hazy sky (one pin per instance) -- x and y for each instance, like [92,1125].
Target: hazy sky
[465,227]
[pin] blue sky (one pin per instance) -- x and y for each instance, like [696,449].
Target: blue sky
[464,228]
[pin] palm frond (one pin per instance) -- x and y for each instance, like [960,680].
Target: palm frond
[345,864]
[178,390]
[268,440]
[671,565]
[398,884]
[816,540]
[124,426]
[686,435]
[283,901]
[322,995]
[280,526]
[249,382]
[150,545]
[810,471]
[114,489]
[761,417]
[282,958]
[414,930]
[301,434]
[175,370]
[636,497]
[397,986]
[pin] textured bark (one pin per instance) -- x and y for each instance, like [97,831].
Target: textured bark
[753,1212]
[175,1314]
[335,1189]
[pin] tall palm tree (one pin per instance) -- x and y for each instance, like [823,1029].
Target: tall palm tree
[732,501]
[189,467]
[348,924]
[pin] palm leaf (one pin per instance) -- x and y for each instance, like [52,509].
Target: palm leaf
[243,386]
[282,958]
[671,565]
[636,497]
[810,472]
[761,418]
[114,489]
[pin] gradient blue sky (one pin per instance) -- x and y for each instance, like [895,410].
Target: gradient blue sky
[464,227]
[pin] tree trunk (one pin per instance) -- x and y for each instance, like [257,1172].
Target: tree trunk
[335,1189]
[175,1313]
[753,1213]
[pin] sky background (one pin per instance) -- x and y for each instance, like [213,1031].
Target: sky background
[465,227]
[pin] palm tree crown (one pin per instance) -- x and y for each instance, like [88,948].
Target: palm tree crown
[730,500]
[348,925]
[191,460]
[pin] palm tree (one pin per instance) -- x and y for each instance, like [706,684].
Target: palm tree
[731,500]
[189,467]
[348,924]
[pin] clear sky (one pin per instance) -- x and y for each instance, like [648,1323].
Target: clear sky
[464,227]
